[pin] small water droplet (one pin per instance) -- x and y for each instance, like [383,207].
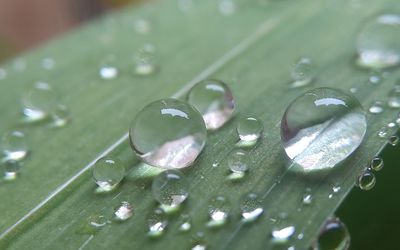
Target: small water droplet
[393,140]
[108,173]
[391,125]
[377,44]
[214,100]
[170,189]
[336,188]
[3,74]
[199,247]
[108,72]
[302,72]
[376,164]
[48,63]
[97,220]
[374,79]
[38,101]
[215,164]
[142,26]
[218,210]
[308,198]
[249,129]
[283,234]
[145,60]
[19,64]
[237,161]
[300,236]
[353,90]
[366,181]
[376,108]
[168,134]
[394,97]
[227,7]
[123,212]
[184,223]
[61,116]
[333,235]
[250,207]
[14,145]
[383,132]
[321,128]
[157,222]
[11,169]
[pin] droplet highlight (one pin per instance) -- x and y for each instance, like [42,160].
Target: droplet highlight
[14,145]
[249,129]
[302,72]
[123,212]
[38,101]
[218,210]
[250,207]
[366,181]
[157,222]
[108,173]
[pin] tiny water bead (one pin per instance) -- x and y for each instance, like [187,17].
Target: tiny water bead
[61,116]
[376,164]
[393,140]
[333,235]
[11,169]
[38,101]
[302,72]
[394,97]
[377,44]
[48,63]
[157,222]
[14,145]
[168,134]
[250,207]
[283,234]
[108,173]
[383,132]
[366,181]
[145,61]
[123,212]
[321,128]
[249,129]
[219,208]
[375,79]
[97,220]
[307,197]
[185,223]
[376,107]
[238,161]
[214,100]
[108,72]
[170,188]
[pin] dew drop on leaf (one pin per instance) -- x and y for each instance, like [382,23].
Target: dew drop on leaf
[376,163]
[302,72]
[14,145]
[333,235]
[250,207]
[157,222]
[218,210]
[249,129]
[123,211]
[108,173]
[366,181]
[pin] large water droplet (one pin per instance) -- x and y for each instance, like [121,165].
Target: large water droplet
[108,173]
[170,188]
[377,43]
[376,108]
[367,180]
[394,97]
[282,234]
[145,61]
[249,129]
[322,127]
[333,235]
[238,161]
[157,222]
[38,101]
[123,212]
[214,100]
[250,207]
[376,164]
[14,145]
[218,210]
[11,169]
[302,72]
[168,134]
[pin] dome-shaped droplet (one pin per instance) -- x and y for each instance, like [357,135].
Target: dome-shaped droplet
[394,97]
[238,161]
[168,134]
[250,207]
[393,140]
[283,233]
[61,116]
[302,72]
[145,60]
[108,173]
[367,180]
[376,108]
[376,163]
[123,212]
[11,169]
[249,129]
[377,43]
[218,210]
[157,222]
[214,100]
[14,145]
[170,188]
[321,128]
[333,235]
[38,101]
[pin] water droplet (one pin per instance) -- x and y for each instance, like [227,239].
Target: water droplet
[61,116]
[168,134]
[214,100]
[308,198]
[283,234]
[394,97]
[393,140]
[383,132]
[300,236]
[302,72]
[333,235]
[353,90]
[376,164]
[157,222]
[391,125]
[237,161]
[377,44]
[145,61]
[108,72]
[227,7]
[250,207]
[185,223]
[14,145]
[336,188]
[376,108]
[199,247]
[375,79]
[3,74]
[38,101]
[48,63]
[97,220]
[108,173]
[322,127]
[249,129]
[170,188]
[142,26]
[123,212]
[218,210]
[11,169]
[367,180]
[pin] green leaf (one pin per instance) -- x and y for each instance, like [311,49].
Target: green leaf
[252,51]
